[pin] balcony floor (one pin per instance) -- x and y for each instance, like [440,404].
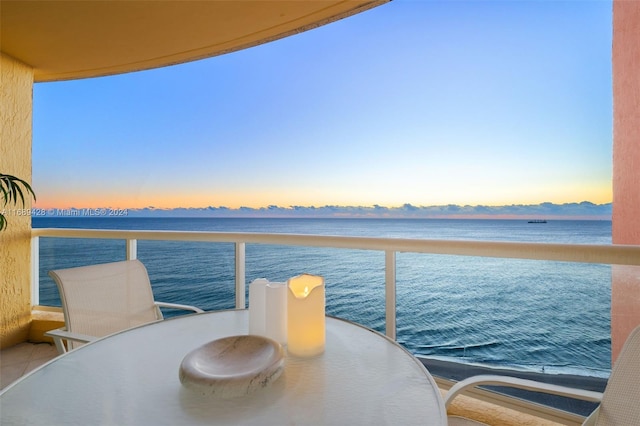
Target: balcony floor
[20,359]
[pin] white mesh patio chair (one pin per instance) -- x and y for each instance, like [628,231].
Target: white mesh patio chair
[99,300]
[619,404]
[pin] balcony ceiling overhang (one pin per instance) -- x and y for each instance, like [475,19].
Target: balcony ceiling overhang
[65,40]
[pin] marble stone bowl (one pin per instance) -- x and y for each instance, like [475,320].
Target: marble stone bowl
[232,366]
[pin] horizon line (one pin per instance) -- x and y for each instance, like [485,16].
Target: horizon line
[584,210]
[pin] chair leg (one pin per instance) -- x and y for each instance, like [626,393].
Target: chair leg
[59,345]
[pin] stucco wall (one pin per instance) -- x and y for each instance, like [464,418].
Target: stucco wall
[16,86]
[625,301]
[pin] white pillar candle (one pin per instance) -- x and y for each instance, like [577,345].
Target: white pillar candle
[305,315]
[257,299]
[276,312]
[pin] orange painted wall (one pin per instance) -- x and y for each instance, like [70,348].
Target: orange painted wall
[625,300]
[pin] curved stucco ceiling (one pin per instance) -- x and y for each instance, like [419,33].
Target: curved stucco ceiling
[65,40]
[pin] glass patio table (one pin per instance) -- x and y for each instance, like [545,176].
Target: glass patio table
[131,378]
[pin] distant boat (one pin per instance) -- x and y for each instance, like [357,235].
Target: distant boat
[538,221]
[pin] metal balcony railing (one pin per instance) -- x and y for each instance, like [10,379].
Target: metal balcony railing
[602,254]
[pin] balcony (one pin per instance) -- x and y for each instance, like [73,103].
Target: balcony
[625,154]
[389,259]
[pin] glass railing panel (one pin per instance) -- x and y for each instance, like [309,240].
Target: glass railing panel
[193,273]
[533,315]
[354,279]
[60,253]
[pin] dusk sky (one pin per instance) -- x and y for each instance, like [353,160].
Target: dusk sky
[421,102]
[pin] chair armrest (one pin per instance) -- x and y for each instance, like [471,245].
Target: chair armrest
[60,334]
[531,385]
[178,306]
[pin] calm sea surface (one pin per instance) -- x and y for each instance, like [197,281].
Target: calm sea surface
[518,313]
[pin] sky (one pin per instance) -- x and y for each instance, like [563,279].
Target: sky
[421,103]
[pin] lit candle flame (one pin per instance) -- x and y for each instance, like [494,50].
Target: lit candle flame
[306,291]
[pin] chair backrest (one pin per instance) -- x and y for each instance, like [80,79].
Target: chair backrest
[98,300]
[621,400]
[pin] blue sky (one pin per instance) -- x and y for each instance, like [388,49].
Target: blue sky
[419,102]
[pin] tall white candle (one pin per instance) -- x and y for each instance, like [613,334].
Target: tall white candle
[257,299]
[276,312]
[305,315]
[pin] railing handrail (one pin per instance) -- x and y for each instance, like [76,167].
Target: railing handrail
[615,254]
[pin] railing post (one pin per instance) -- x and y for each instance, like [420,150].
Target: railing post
[240,276]
[390,292]
[35,271]
[132,249]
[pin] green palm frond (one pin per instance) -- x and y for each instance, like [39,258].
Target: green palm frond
[12,189]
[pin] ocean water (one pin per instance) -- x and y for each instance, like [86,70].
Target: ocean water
[533,315]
